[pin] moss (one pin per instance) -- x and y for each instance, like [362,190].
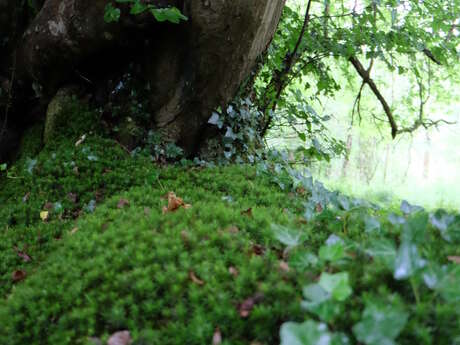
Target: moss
[69,117]
[31,142]
[130,268]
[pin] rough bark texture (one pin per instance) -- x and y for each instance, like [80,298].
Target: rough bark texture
[192,67]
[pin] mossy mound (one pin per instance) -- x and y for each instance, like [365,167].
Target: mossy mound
[169,278]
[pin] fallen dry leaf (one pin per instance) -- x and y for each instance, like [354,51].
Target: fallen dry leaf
[217,337]
[44,215]
[319,208]
[195,279]
[174,203]
[48,206]
[233,229]
[73,231]
[258,250]
[246,307]
[23,255]
[122,203]
[26,197]
[72,197]
[81,140]
[233,271]
[247,212]
[19,275]
[454,259]
[120,338]
[284,266]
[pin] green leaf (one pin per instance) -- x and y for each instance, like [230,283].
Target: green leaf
[448,287]
[383,249]
[111,14]
[307,333]
[3,167]
[138,8]
[380,323]
[288,237]
[172,14]
[333,252]
[337,285]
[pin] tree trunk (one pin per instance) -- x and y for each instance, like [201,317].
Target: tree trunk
[191,68]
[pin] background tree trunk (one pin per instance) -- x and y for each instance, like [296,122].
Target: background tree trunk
[191,68]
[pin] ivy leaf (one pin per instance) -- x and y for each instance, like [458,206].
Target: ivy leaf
[407,208]
[384,250]
[138,8]
[288,237]
[332,252]
[380,324]
[307,333]
[408,261]
[111,13]
[371,224]
[171,14]
[337,285]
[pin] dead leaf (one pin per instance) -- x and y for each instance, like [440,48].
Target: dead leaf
[185,236]
[174,203]
[257,249]
[19,275]
[122,203]
[217,337]
[26,197]
[44,215]
[246,307]
[147,211]
[284,266]
[301,191]
[120,338]
[48,206]
[73,231]
[81,140]
[75,171]
[23,255]
[454,259]
[319,208]
[247,212]
[72,197]
[233,229]
[233,271]
[195,279]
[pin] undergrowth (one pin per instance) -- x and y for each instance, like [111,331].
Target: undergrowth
[263,255]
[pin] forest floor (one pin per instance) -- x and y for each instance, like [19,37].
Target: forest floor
[94,241]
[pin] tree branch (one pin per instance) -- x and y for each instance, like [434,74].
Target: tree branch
[364,74]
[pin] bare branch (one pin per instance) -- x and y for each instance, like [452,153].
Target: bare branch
[367,79]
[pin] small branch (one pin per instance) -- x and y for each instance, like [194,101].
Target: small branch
[364,74]
[279,78]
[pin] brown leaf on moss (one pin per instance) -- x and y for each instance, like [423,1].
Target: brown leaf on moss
[120,338]
[233,271]
[247,212]
[174,203]
[74,231]
[454,259]
[19,275]
[319,208]
[246,307]
[72,197]
[217,337]
[195,279]
[23,255]
[283,265]
[26,197]
[257,249]
[122,203]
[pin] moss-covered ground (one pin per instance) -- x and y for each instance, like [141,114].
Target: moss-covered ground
[86,250]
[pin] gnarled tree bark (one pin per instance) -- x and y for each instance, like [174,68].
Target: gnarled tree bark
[191,68]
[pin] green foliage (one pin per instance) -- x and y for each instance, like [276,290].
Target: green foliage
[107,261]
[170,14]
